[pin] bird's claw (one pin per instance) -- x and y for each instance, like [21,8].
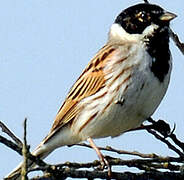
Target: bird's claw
[104,164]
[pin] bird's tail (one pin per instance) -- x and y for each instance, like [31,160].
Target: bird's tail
[40,152]
[49,144]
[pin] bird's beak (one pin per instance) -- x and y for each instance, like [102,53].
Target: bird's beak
[167,16]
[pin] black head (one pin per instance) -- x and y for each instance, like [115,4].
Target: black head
[136,18]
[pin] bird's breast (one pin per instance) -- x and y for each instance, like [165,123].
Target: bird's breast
[132,94]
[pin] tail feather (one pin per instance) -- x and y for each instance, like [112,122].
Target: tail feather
[49,144]
[16,173]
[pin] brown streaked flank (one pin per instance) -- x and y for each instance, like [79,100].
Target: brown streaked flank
[92,117]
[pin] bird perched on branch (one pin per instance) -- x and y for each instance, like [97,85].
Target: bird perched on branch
[121,86]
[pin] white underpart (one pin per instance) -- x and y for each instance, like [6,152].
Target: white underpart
[141,99]
[139,103]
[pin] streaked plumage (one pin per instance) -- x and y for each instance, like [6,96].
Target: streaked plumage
[121,86]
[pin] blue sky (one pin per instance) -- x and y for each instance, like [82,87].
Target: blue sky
[44,46]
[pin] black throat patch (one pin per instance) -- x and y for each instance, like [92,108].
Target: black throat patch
[158,48]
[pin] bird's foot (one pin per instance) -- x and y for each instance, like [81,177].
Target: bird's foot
[104,164]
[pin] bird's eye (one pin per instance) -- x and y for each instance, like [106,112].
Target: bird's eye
[141,16]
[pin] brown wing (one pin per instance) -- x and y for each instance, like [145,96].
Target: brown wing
[90,81]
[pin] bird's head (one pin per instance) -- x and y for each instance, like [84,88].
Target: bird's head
[136,19]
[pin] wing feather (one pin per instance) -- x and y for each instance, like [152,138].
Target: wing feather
[91,81]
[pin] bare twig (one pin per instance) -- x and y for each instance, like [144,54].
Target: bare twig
[73,173]
[147,163]
[25,150]
[11,145]
[146,1]
[10,134]
[170,146]
[177,141]
[18,149]
[177,41]
[139,163]
[142,164]
[164,129]
[108,148]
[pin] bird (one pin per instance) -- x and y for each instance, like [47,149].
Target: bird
[122,85]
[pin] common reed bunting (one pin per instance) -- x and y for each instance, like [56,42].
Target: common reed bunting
[121,86]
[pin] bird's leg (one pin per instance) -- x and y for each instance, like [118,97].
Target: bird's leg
[103,160]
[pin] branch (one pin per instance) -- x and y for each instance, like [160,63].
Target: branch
[176,40]
[11,145]
[73,169]
[10,134]
[170,146]
[69,172]
[152,164]
[110,149]
[177,141]
[15,147]
[25,150]
[165,130]
[139,163]
[146,1]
